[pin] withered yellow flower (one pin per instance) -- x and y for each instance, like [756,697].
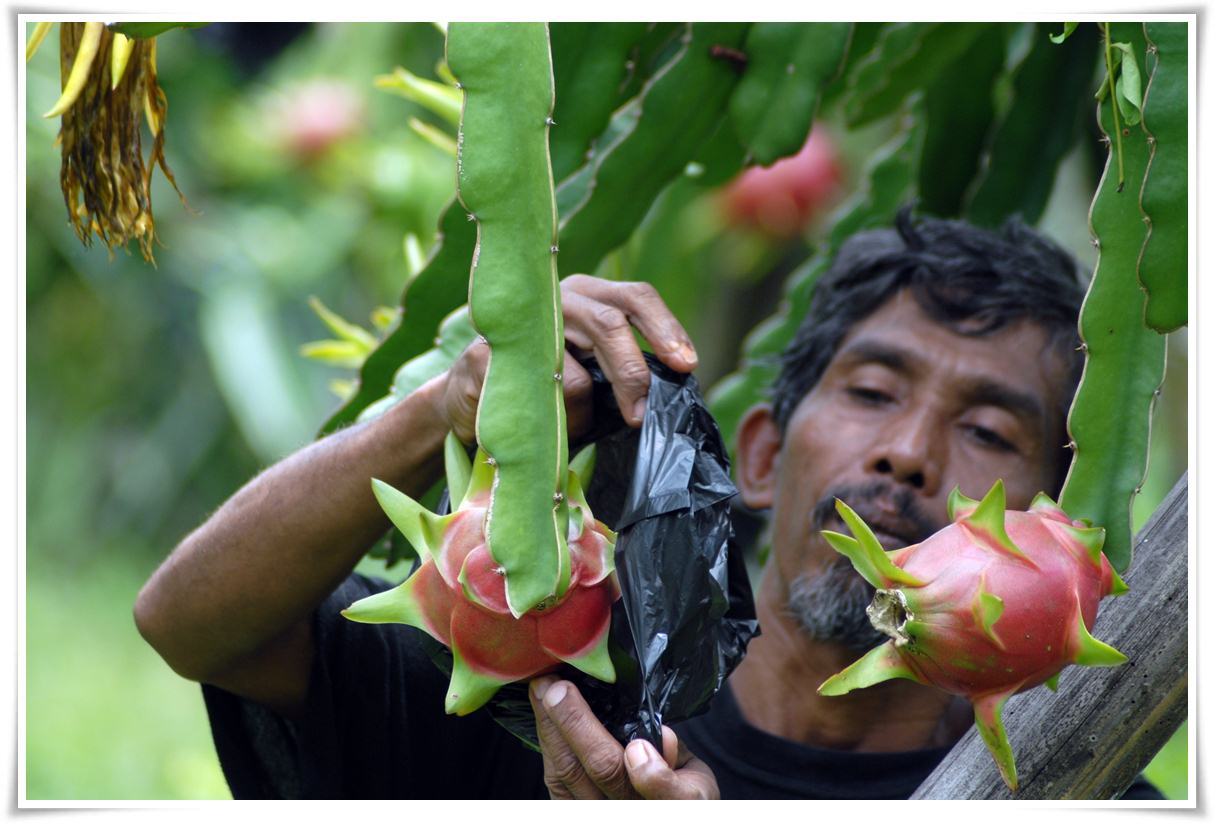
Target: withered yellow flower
[106,182]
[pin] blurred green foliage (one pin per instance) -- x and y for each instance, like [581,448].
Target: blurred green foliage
[154,393]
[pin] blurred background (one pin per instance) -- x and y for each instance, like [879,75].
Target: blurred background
[155,392]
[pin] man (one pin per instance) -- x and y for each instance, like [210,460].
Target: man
[934,356]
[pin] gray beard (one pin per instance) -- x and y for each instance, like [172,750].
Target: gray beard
[831,607]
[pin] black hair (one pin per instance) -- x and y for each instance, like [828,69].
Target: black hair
[972,280]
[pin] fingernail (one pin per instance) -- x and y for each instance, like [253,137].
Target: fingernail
[553,695]
[638,413]
[540,686]
[688,354]
[637,754]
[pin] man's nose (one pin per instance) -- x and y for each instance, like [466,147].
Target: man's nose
[911,451]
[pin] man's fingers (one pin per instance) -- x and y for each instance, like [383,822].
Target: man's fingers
[653,778]
[647,312]
[562,771]
[599,754]
[605,330]
[465,382]
[578,397]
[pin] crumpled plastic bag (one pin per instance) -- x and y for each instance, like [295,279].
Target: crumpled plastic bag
[687,610]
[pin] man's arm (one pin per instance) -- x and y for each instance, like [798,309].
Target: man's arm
[232,604]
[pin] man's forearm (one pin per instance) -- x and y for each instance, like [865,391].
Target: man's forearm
[271,553]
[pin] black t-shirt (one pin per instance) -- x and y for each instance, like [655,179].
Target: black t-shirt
[374,727]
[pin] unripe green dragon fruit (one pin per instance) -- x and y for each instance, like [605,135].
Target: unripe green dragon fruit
[457,595]
[993,604]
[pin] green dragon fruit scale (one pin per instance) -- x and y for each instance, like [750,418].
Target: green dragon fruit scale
[457,594]
[995,603]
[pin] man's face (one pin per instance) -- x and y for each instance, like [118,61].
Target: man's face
[905,411]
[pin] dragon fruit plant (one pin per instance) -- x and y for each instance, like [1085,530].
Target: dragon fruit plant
[457,595]
[995,603]
[520,576]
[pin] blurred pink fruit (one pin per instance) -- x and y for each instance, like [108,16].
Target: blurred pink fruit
[314,115]
[783,200]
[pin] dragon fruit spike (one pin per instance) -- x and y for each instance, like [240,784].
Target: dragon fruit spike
[458,596]
[1092,652]
[987,715]
[458,470]
[880,664]
[865,551]
[423,528]
[986,520]
[995,603]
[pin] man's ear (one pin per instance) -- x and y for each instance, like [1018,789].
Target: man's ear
[758,444]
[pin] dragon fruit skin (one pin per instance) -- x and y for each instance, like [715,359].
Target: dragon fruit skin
[457,594]
[995,603]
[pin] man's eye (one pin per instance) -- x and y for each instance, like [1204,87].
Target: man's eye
[867,396]
[991,439]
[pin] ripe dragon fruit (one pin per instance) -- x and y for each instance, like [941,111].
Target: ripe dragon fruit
[995,603]
[457,595]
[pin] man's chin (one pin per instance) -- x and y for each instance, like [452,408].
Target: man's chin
[831,607]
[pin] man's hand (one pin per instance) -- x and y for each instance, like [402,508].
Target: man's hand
[581,760]
[599,316]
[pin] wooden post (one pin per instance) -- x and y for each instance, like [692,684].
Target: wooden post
[1103,726]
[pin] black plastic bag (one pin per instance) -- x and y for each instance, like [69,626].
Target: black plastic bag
[687,611]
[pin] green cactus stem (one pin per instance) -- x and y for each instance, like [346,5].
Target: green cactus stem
[961,111]
[678,110]
[590,64]
[1051,85]
[1126,360]
[907,57]
[788,65]
[505,184]
[1163,269]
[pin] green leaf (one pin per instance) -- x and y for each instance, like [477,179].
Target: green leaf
[505,181]
[341,353]
[1128,86]
[788,65]
[1049,85]
[436,292]
[1163,270]
[960,114]
[1067,30]
[454,335]
[679,109]
[382,317]
[436,137]
[1125,359]
[907,57]
[149,29]
[438,98]
[344,329]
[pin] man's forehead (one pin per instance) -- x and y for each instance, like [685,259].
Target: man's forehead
[904,339]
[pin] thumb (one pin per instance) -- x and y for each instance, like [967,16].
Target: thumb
[653,778]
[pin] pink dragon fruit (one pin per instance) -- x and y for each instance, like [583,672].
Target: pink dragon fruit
[457,595]
[993,604]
